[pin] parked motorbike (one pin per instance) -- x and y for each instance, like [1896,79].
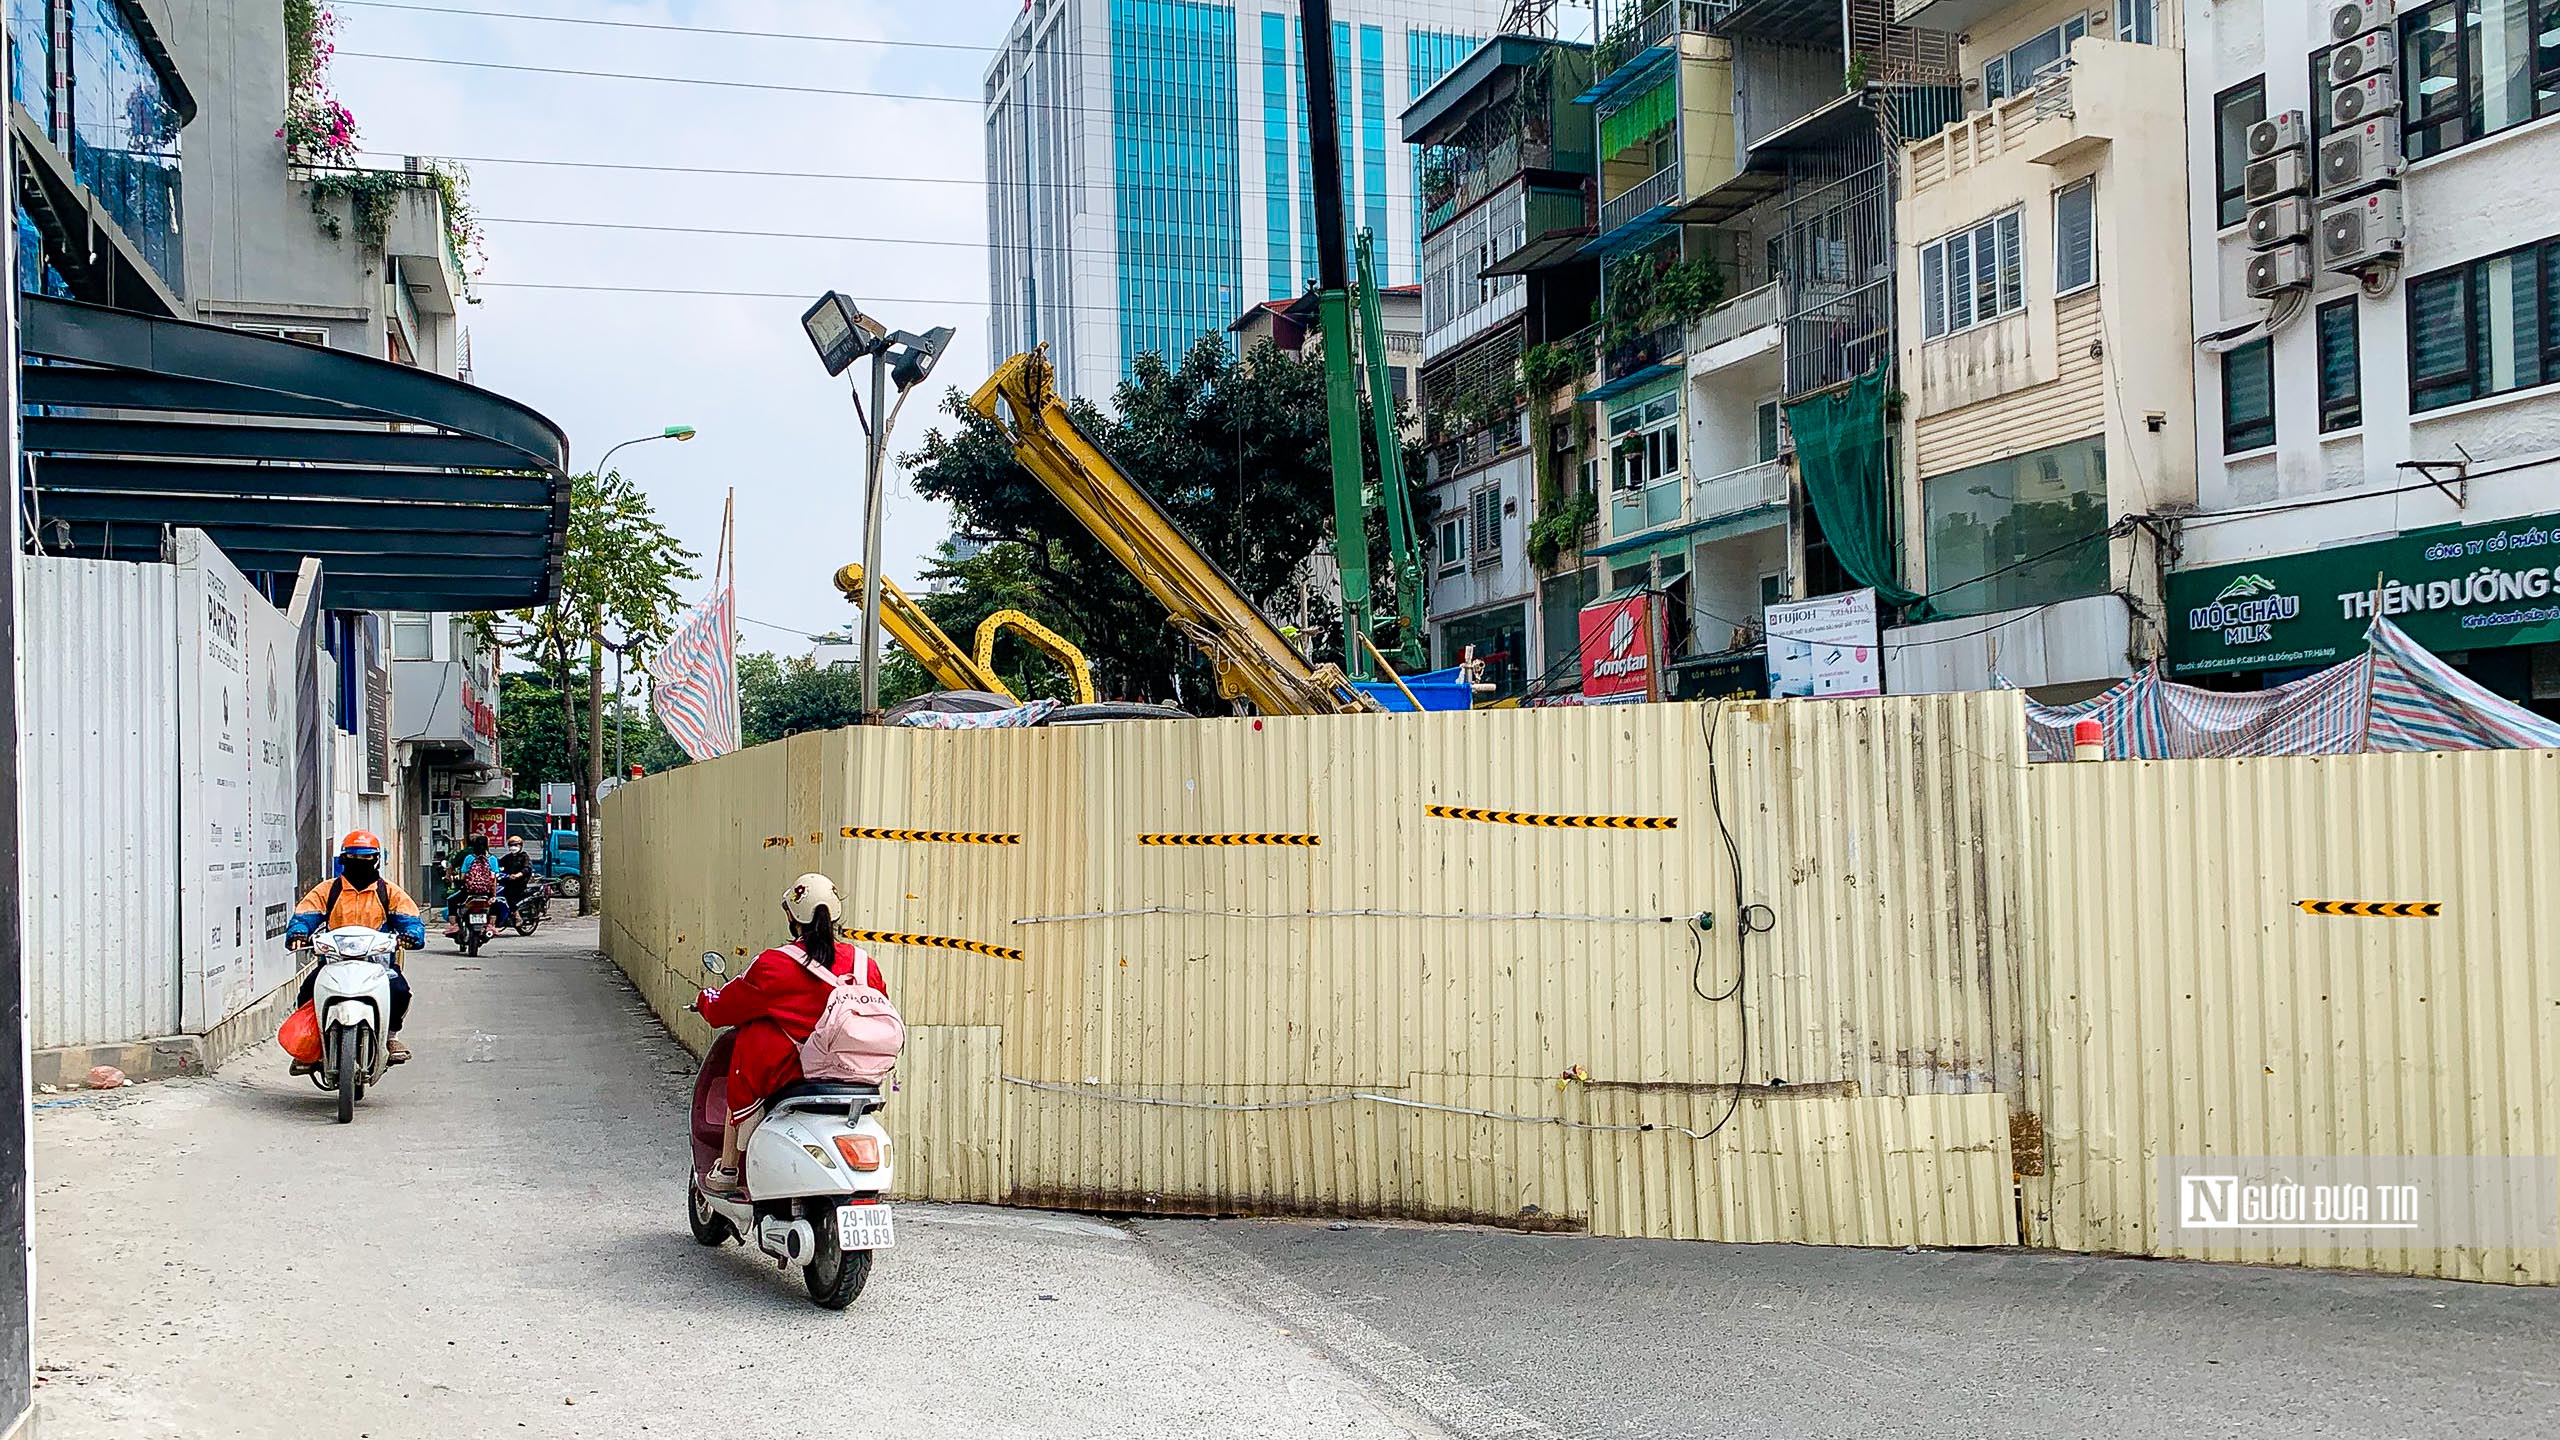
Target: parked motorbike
[817,1175]
[527,917]
[351,997]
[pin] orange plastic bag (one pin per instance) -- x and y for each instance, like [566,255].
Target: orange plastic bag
[300,1035]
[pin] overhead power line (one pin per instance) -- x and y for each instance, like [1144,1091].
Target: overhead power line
[391,152]
[665,79]
[669,29]
[754,234]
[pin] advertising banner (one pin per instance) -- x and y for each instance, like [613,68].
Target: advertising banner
[237,726]
[2469,587]
[1621,650]
[1825,647]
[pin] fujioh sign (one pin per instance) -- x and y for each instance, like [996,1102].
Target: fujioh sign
[2471,588]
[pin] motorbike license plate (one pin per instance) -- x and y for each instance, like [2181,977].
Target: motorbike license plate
[864,1227]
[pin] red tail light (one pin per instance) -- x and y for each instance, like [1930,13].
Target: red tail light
[861,1152]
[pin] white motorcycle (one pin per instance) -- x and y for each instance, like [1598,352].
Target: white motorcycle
[351,997]
[817,1173]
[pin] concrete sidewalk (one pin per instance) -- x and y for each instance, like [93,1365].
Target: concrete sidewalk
[497,1246]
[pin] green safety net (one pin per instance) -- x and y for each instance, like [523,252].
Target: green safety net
[1639,117]
[1841,452]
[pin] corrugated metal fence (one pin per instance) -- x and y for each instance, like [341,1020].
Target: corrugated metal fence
[100,719]
[1410,988]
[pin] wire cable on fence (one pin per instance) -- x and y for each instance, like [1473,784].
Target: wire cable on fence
[1402,1102]
[1366,914]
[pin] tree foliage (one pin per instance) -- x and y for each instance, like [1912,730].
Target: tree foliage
[1234,448]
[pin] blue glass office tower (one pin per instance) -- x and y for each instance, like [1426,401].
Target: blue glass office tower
[1147,169]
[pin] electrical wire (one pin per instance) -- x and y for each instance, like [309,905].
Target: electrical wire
[1340,1097]
[665,28]
[1372,913]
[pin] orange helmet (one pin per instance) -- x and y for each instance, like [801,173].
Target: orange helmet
[360,842]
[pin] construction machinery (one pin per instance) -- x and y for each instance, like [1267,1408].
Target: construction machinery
[1252,660]
[941,656]
[1352,497]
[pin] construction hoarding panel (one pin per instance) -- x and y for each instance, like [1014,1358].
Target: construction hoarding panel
[1486,993]
[1420,1014]
[2201,1018]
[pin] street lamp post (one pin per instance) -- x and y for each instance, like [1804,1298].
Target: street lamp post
[594,768]
[842,334]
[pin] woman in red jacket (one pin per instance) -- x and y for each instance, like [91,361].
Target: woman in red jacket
[774,1006]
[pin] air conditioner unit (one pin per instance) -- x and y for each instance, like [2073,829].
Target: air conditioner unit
[2361,232]
[2374,53]
[2360,158]
[2275,177]
[2351,18]
[2370,98]
[2272,272]
[2278,132]
[2278,221]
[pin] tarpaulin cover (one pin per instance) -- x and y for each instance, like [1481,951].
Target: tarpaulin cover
[2395,696]
[1840,450]
[1016,718]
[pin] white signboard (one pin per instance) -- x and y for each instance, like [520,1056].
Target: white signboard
[1825,647]
[236,788]
[559,797]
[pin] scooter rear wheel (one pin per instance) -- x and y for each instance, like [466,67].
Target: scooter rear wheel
[835,1275]
[710,1227]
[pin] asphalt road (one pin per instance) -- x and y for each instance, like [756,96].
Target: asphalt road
[497,1247]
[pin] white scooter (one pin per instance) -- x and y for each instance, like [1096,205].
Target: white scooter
[351,997]
[817,1173]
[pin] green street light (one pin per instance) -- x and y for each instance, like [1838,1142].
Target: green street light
[672,432]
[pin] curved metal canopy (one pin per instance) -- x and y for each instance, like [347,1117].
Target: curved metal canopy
[414,491]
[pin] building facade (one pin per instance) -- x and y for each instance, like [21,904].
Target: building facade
[1148,175]
[1506,304]
[2375,274]
[2046,353]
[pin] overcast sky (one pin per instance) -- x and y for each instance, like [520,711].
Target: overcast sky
[608,366]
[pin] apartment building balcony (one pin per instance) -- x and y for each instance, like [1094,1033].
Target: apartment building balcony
[417,236]
[1470,176]
[2102,91]
[1633,49]
[1735,331]
[1749,490]
[1634,513]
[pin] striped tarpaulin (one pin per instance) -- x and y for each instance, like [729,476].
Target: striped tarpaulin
[697,680]
[2395,696]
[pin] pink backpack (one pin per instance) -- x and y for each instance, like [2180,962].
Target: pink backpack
[859,1035]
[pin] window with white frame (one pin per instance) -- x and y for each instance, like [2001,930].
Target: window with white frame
[2009,74]
[1972,277]
[1452,543]
[1644,442]
[412,637]
[2137,22]
[2075,237]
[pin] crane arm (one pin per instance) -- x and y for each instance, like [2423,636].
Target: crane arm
[1058,647]
[1252,660]
[941,656]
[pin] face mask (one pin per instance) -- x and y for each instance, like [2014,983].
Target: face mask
[360,870]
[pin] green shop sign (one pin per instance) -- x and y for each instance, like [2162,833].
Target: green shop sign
[2466,587]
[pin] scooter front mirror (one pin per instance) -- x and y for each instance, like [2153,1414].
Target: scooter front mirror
[713,962]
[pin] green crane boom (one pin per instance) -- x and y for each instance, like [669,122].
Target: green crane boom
[1405,644]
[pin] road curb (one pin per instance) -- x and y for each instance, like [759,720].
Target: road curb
[165,1057]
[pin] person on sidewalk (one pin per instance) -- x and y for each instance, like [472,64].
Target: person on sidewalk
[362,896]
[774,1006]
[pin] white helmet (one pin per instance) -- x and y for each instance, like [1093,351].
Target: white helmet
[807,894]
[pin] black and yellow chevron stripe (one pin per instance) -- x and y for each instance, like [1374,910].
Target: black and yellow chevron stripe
[777,842]
[2384,909]
[930,837]
[930,942]
[1553,822]
[1234,837]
